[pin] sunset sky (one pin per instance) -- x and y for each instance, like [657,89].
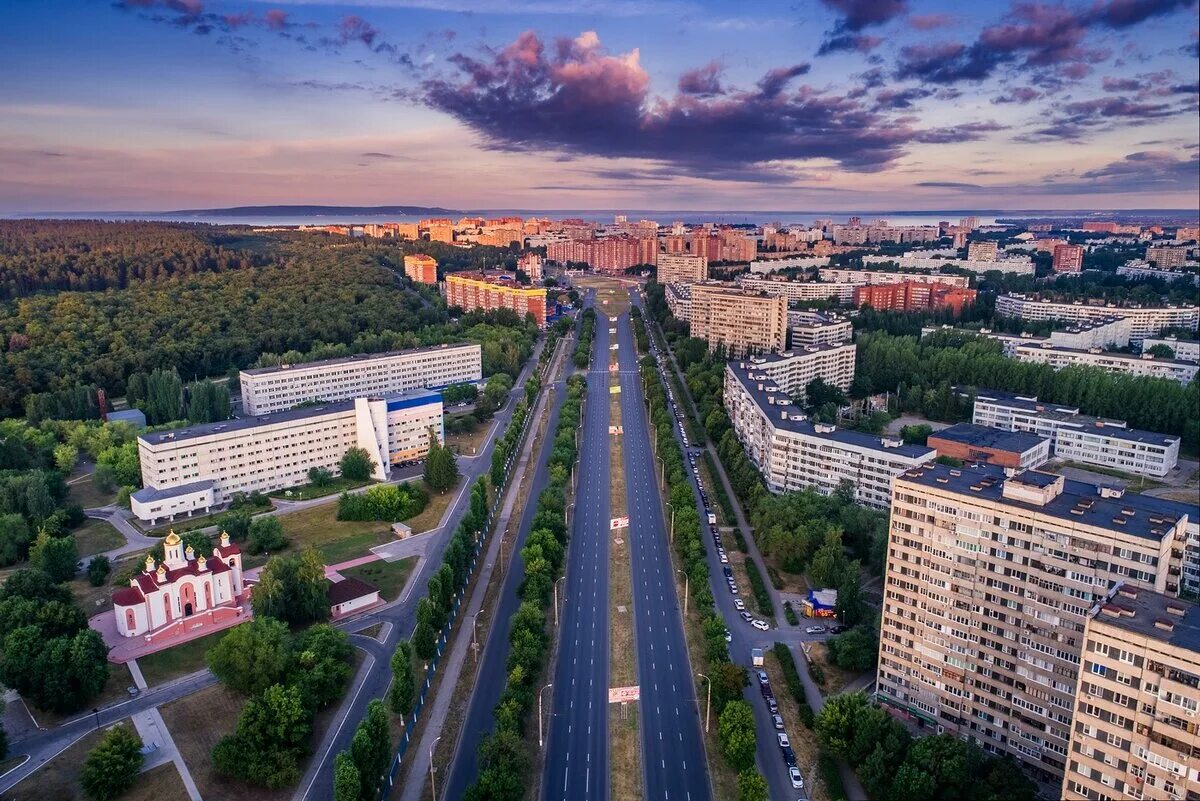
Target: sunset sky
[666,104]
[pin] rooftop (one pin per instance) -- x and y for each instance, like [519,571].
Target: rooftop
[150,494]
[1079,502]
[786,416]
[1152,615]
[985,437]
[1069,416]
[289,415]
[357,357]
[1127,357]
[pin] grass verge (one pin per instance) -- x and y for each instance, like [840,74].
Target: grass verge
[306,492]
[185,658]
[96,536]
[431,516]
[389,577]
[803,739]
[625,758]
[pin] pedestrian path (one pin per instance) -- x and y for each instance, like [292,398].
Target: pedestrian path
[161,748]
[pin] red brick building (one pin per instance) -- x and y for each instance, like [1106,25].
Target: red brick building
[614,254]
[913,296]
[1068,258]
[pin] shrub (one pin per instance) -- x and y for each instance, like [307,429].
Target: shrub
[98,570]
[112,766]
[266,534]
[790,613]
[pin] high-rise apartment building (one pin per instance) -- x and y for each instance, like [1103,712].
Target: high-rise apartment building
[742,322]
[795,292]
[991,575]
[809,327]
[986,250]
[681,268]
[912,296]
[1068,258]
[851,275]
[1144,321]
[533,265]
[1167,258]
[275,389]
[1135,732]
[793,370]
[613,254]
[421,268]
[471,291]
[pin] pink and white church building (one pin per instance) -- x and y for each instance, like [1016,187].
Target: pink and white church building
[162,598]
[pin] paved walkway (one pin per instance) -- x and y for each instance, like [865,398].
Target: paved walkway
[154,733]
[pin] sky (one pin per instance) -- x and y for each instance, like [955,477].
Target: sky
[580,104]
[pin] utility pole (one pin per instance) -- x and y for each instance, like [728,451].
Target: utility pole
[708,704]
[547,687]
[432,769]
[686,582]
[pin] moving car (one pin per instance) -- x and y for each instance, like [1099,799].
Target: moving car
[728,636]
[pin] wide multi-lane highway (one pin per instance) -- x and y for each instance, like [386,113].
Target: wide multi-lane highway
[490,680]
[577,749]
[673,762]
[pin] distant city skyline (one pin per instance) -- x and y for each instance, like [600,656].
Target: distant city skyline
[851,105]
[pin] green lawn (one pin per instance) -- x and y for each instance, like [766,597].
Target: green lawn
[83,492]
[306,492]
[337,540]
[389,577]
[97,536]
[185,658]
[431,515]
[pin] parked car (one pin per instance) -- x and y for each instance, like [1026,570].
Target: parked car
[761,625]
[746,616]
[815,630]
[724,559]
[838,629]
[739,604]
[728,571]
[797,779]
[728,636]
[772,705]
[783,740]
[762,676]
[733,587]
[778,721]
[789,756]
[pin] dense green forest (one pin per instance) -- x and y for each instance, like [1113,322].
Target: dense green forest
[203,300]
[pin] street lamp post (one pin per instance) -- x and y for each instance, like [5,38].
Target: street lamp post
[686,582]
[662,477]
[560,578]
[474,624]
[708,704]
[547,687]
[570,506]
[671,530]
[432,769]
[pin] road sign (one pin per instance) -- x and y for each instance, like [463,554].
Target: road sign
[618,522]
[614,367]
[623,695]
[615,389]
[616,429]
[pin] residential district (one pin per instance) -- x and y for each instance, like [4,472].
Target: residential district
[832,509]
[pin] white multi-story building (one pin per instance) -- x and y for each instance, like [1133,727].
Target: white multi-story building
[798,292]
[792,370]
[1089,440]
[1128,364]
[799,262]
[1112,332]
[679,300]
[1185,350]
[274,389]
[1021,265]
[681,268]
[991,575]
[1140,269]
[809,327]
[793,453]
[196,468]
[852,276]
[1144,321]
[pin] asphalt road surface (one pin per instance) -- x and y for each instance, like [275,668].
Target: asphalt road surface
[577,747]
[673,761]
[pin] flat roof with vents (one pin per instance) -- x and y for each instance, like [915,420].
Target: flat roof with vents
[1154,616]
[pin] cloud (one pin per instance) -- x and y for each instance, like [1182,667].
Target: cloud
[928,22]
[1143,171]
[946,63]
[900,98]
[702,81]
[968,132]
[948,185]
[1019,95]
[577,98]
[855,16]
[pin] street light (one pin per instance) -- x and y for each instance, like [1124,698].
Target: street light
[547,687]
[662,479]
[671,530]
[708,704]
[560,578]
[570,506]
[686,581]
[474,644]
[432,769]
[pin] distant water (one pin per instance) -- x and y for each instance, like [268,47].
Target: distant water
[987,217]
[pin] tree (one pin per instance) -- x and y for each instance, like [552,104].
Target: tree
[836,722]
[253,656]
[403,692]
[1161,351]
[346,781]
[817,393]
[266,746]
[15,537]
[65,457]
[321,664]
[98,569]
[319,477]
[371,749]
[441,469]
[851,603]
[854,650]
[828,565]
[735,729]
[57,557]
[424,640]
[266,534]
[503,763]
[208,402]
[34,585]
[356,464]
[916,434]
[912,784]
[751,786]
[113,765]
[293,588]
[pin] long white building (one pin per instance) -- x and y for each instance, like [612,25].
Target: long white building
[792,370]
[809,327]
[849,275]
[1111,332]
[798,292]
[1021,265]
[1145,366]
[793,453]
[1089,440]
[274,389]
[1186,350]
[1144,321]
[196,468]
[759,266]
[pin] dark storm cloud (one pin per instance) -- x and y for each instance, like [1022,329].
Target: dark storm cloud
[855,16]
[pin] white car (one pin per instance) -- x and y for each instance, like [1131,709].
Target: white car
[739,604]
[797,779]
[815,630]
[783,740]
[761,625]
[724,559]
[728,636]
[778,721]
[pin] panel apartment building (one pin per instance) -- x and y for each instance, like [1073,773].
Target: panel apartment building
[1079,438]
[420,268]
[740,321]
[794,453]
[818,328]
[1135,731]
[681,268]
[274,389]
[849,275]
[990,577]
[1144,321]
[792,370]
[472,291]
[1144,366]
[797,292]
[196,468]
